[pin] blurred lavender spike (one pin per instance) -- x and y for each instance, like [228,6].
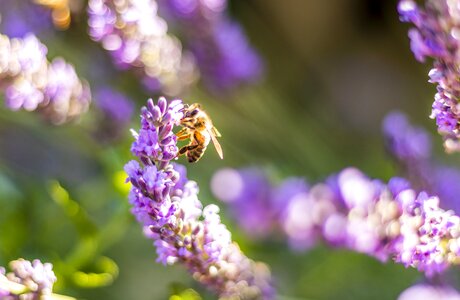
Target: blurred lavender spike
[33,280]
[223,53]
[411,148]
[138,38]
[19,18]
[114,104]
[254,216]
[116,111]
[436,36]
[429,291]
[31,82]
[386,221]
[167,206]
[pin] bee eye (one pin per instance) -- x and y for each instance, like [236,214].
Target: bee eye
[194,112]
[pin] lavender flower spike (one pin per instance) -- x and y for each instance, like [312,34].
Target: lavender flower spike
[386,221]
[410,146]
[436,36]
[28,280]
[167,206]
[235,188]
[32,83]
[223,53]
[137,37]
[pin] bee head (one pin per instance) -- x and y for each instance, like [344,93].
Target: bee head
[192,110]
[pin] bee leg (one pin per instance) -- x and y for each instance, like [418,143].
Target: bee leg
[182,131]
[182,150]
[183,137]
[184,120]
[188,123]
[183,134]
[186,148]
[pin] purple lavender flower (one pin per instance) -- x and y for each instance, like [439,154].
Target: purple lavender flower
[303,217]
[23,94]
[381,220]
[32,280]
[116,110]
[32,83]
[406,141]
[236,187]
[428,291]
[411,148]
[225,58]
[137,37]
[436,36]
[167,206]
[388,221]
[446,186]
[219,44]
[155,140]
[197,9]
[20,18]
[67,97]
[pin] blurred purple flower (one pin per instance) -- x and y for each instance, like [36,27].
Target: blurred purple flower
[426,291]
[225,58]
[167,206]
[411,148]
[35,277]
[353,211]
[19,18]
[446,185]
[236,187]
[117,110]
[404,140]
[33,83]
[223,53]
[303,217]
[137,37]
[23,94]
[67,96]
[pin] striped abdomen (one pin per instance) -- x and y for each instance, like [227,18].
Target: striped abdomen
[195,154]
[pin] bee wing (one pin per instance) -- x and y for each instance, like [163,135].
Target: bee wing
[216,132]
[216,143]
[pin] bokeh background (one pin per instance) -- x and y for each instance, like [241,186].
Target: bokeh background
[332,71]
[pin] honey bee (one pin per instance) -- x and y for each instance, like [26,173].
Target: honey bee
[199,129]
